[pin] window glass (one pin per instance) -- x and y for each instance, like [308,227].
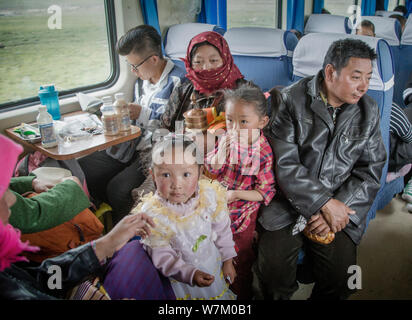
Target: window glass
[340,7]
[177,11]
[51,41]
[252,13]
[392,4]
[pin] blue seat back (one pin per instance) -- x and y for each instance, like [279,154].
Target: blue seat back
[178,36]
[319,23]
[263,55]
[308,59]
[404,62]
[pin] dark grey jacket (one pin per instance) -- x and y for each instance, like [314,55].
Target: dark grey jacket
[18,283]
[317,160]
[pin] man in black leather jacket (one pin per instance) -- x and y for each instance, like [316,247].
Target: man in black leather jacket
[329,159]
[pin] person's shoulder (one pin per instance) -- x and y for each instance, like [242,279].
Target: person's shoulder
[300,86]
[185,84]
[370,103]
[210,185]
[266,152]
[177,70]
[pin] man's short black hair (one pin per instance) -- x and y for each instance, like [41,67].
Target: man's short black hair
[141,40]
[341,51]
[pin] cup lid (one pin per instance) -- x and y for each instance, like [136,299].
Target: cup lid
[47,88]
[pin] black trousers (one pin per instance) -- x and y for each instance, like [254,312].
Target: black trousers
[111,181]
[275,270]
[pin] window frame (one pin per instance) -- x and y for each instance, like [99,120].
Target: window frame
[114,73]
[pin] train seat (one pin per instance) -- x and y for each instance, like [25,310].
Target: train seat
[263,55]
[383,13]
[178,36]
[319,23]
[404,62]
[308,59]
[385,28]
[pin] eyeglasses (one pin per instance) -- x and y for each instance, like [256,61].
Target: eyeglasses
[136,66]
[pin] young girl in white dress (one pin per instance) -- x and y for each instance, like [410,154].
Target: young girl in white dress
[192,242]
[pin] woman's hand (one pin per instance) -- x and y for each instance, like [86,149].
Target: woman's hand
[127,228]
[40,186]
[229,272]
[223,152]
[202,279]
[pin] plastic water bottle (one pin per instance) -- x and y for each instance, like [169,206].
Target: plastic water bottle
[46,128]
[110,118]
[49,97]
[123,111]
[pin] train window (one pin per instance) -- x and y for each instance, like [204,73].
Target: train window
[54,41]
[340,7]
[177,11]
[392,4]
[252,13]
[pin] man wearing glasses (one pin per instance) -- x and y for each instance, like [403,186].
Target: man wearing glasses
[112,174]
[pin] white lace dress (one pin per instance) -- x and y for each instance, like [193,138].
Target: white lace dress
[189,237]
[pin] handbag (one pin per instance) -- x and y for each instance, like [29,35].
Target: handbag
[83,228]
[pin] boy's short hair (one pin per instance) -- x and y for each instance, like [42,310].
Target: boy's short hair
[341,51]
[368,24]
[141,40]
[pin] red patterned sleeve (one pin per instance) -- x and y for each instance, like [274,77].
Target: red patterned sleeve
[265,182]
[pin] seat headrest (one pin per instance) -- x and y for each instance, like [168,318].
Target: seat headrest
[311,50]
[383,13]
[179,35]
[407,33]
[327,23]
[262,42]
[385,28]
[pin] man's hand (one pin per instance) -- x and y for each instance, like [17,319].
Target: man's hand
[134,110]
[336,214]
[318,225]
[202,279]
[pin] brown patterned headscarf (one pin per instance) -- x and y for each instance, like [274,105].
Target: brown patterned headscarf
[208,81]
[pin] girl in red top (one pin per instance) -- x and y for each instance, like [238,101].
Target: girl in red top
[243,163]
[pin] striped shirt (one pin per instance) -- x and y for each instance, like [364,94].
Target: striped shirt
[243,176]
[400,125]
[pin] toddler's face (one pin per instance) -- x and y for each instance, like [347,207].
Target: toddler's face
[176,183]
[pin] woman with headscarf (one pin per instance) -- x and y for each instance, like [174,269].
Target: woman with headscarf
[68,269]
[210,68]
